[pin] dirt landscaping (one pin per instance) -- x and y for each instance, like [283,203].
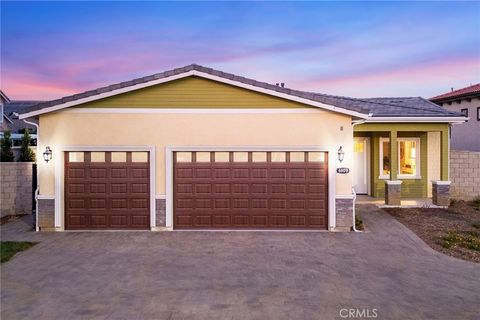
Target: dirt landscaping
[454,231]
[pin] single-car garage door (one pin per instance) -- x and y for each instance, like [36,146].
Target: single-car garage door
[250,190]
[107,190]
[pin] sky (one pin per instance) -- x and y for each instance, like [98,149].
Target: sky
[359,49]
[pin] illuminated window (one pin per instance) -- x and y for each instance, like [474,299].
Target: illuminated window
[408,157]
[384,158]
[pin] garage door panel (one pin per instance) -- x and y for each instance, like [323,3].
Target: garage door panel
[250,194]
[115,194]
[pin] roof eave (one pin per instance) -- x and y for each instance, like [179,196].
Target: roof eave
[187,74]
[417,119]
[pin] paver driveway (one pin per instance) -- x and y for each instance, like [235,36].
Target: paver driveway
[236,275]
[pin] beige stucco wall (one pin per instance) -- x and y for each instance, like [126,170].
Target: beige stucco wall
[321,128]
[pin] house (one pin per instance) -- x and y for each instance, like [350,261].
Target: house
[17,127]
[197,148]
[466,101]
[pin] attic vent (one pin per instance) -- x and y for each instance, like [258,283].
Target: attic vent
[393,101]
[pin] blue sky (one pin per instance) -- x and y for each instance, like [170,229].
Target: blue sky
[52,49]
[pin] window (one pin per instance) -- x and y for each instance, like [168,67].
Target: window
[478,113]
[97,157]
[240,157]
[119,156]
[465,112]
[184,157]
[203,156]
[139,156]
[384,158]
[316,156]
[297,156]
[408,157]
[75,157]
[278,156]
[259,156]
[222,156]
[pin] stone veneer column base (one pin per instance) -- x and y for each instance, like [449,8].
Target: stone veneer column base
[393,192]
[343,214]
[46,214]
[160,213]
[441,193]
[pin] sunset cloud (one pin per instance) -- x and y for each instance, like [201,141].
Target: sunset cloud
[52,49]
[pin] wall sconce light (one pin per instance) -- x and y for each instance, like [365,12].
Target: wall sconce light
[47,155]
[341,154]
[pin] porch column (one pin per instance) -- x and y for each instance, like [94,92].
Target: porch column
[393,156]
[393,188]
[441,189]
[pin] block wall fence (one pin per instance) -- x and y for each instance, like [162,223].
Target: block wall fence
[464,174]
[16,184]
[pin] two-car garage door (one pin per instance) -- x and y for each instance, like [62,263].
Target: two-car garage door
[250,190]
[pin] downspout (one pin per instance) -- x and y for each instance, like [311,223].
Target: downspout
[37,190]
[354,123]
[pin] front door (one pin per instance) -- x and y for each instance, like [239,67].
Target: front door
[360,165]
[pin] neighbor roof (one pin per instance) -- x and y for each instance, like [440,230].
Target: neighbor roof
[467,92]
[19,106]
[363,108]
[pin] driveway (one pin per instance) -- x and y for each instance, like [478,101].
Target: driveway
[236,275]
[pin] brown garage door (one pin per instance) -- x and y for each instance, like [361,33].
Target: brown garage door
[107,190]
[250,190]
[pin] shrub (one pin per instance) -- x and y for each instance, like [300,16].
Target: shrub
[6,154]
[26,154]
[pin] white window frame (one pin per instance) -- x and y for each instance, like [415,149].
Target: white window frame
[381,175]
[417,159]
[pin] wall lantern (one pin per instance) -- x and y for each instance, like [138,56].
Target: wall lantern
[341,154]
[47,155]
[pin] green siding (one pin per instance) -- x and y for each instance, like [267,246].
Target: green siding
[193,92]
[411,188]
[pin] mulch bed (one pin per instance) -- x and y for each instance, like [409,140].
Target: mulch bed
[435,226]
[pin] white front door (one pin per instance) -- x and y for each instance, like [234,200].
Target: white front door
[361,147]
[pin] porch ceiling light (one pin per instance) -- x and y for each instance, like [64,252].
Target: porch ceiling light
[47,155]
[341,154]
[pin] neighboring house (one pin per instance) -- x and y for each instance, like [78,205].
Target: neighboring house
[466,101]
[197,148]
[17,126]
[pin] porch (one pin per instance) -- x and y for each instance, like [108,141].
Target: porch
[401,161]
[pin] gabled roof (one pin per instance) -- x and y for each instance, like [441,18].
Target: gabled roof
[18,106]
[467,92]
[359,108]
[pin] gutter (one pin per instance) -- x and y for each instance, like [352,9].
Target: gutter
[417,119]
[355,123]
[37,190]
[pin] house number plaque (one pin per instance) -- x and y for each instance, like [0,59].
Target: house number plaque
[343,170]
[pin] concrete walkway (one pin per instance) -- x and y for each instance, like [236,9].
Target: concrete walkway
[236,275]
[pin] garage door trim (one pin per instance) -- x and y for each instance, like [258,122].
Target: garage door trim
[58,152]
[169,171]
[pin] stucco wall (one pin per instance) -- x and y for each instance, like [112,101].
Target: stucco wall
[16,188]
[320,128]
[465,136]
[464,174]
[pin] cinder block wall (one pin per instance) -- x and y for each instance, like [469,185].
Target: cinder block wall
[464,174]
[16,188]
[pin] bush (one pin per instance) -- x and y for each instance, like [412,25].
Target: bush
[26,154]
[476,203]
[6,154]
